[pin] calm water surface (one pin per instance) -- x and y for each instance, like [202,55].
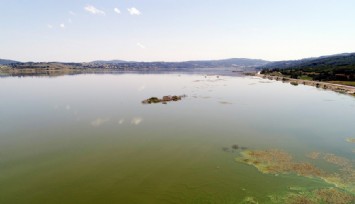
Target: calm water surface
[88,138]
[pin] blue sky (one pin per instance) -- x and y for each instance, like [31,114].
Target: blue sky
[174,30]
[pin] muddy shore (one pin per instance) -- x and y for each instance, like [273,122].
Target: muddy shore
[324,85]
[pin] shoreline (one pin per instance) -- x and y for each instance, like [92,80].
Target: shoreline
[324,85]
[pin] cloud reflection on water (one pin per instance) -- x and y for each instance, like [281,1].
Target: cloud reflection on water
[136,120]
[99,121]
[121,121]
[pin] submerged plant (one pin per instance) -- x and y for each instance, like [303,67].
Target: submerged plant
[235,146]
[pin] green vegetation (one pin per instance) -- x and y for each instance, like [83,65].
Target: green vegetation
[347,83]
[305,77]
[339,68]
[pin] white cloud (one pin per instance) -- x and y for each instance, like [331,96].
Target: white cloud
[141,45]
[134,11]
[99,121]
[50,26]
[136,121]
[117,10]
[93,10]
[72,13]
[70,21]
[62,25]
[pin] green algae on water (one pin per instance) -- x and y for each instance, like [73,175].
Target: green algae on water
[276,162]
[323,195]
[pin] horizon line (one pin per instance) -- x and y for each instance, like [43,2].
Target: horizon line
[192,60]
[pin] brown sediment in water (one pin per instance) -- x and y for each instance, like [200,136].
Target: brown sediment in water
[275,161]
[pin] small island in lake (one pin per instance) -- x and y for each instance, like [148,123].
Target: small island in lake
[163,100]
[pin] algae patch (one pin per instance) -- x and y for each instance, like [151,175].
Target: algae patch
[276,162]
[324,195]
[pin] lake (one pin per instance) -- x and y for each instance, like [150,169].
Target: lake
[233,139]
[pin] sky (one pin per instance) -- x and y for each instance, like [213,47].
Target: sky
[174,30]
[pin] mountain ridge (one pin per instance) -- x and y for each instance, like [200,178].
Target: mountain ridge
[7,61]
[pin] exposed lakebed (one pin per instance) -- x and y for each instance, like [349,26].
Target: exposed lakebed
[89,139]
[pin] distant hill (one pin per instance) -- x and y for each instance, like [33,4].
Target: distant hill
[108,61]
[5,61]
[234,62]
[345,60]
[340,67]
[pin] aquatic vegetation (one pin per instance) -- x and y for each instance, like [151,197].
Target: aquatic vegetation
[345,176]
[276,161]
[280,162]
[334,196]
[323,195]
[313,155]
[225,149]
[300,199]
[235,146]
[351,140]
[339,161]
